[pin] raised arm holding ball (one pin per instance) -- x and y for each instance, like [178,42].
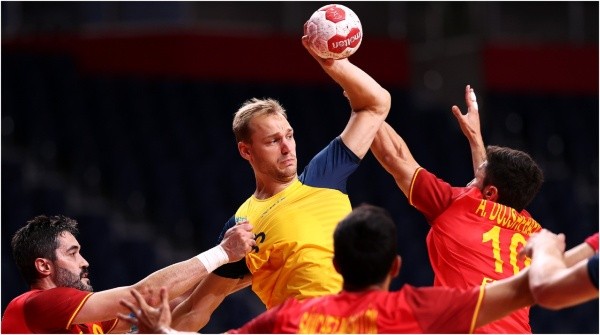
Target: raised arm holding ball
[293,215]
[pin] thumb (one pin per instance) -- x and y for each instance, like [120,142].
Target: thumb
[457,113]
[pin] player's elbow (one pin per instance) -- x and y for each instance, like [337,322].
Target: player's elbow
[383,103]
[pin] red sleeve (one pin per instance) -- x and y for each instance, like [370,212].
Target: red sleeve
[593,241]
[262,324]
[54,308]
[444,309]
[429,194]
[109,325]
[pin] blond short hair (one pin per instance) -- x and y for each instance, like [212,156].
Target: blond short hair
[251,109]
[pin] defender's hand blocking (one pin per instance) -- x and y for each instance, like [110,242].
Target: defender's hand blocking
[469,123]
[148,319]
[238,241]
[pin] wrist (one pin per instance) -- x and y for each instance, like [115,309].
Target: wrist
[213,258]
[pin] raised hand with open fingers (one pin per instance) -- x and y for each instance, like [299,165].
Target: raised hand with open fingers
[148,319]
[471,127]
[469,122]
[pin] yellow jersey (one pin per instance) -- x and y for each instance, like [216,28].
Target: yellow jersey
[294,231]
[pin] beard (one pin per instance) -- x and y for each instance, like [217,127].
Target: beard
[65,278]
[286,175]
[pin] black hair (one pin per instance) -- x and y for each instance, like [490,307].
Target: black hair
[515,174]
[365,246]
[39,239]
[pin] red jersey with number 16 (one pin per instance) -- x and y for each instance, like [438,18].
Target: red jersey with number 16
[50,311]
[409,310]
[472,241]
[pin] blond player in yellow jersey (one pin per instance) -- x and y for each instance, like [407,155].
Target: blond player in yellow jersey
[293,216]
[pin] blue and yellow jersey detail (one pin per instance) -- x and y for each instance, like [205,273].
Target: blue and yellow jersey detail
[294,231]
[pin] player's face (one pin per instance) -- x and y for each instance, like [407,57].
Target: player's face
[70,268]
[273,148]
[479,177]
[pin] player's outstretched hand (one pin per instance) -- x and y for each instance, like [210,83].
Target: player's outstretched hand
[238,241]
[148,319]
[469,122]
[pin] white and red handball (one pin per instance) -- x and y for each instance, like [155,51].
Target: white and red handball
[334,31]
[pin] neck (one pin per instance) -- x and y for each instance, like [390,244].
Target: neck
[265,190]
[43,284]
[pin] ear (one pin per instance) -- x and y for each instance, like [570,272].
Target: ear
[43,266]
[490,192]
[395,268]
[244,150]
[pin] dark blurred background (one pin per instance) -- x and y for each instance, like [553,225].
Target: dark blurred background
[118,114]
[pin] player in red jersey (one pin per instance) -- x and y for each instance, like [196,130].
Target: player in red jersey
[477,230]
[365,244]
[61,298]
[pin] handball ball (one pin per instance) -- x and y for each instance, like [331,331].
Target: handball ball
[334,31]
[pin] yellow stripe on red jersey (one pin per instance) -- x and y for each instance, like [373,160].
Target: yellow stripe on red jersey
[472,240]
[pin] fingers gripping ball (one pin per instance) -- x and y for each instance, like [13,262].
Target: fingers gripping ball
[334,31]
